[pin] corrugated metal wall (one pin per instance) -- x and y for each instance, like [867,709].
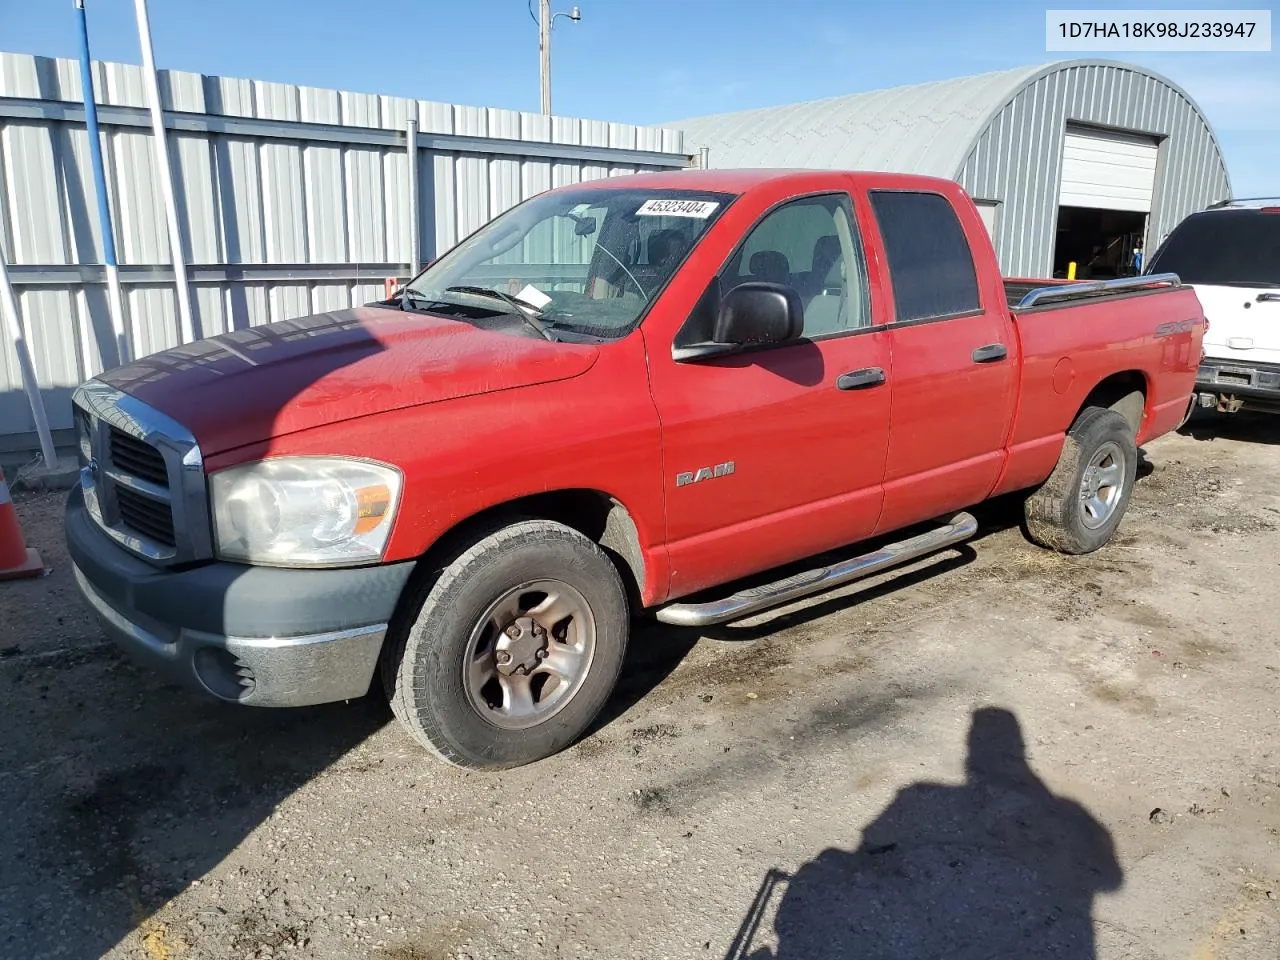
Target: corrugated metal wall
[1017,160]
[293,200]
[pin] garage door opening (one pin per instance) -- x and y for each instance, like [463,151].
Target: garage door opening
[1099,242]
[1108,178]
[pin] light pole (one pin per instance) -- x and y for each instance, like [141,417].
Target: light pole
[116,299]
[545,21]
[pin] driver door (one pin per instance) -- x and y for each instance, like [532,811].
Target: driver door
[769,455]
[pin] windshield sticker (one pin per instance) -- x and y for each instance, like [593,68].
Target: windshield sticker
[532,295]
[697,209]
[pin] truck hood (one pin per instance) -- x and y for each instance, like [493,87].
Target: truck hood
[263,382]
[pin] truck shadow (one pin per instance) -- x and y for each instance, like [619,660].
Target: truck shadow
[993,516]
[1245,427]
[119,790]
[940,564]
[656,649]
[996,866]
[137,791]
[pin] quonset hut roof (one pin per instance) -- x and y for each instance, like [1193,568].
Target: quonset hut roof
[1002,136]
[927,128]
[924,128]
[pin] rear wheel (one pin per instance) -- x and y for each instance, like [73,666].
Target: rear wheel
[515,648]
[1081,504]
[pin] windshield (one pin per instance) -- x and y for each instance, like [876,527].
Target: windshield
[1224,248]
[588,261]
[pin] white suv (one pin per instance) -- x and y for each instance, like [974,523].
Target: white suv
[1230,253]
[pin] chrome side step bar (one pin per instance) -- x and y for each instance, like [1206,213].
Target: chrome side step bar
[753,600]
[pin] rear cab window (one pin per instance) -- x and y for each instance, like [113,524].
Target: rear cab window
[930,263]
[1238,247]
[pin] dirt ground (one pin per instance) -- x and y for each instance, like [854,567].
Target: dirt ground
[1003,753]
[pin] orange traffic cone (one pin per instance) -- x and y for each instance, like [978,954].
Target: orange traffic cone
[17,560]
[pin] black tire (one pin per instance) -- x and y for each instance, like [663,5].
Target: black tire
[423,671]
[1057,513]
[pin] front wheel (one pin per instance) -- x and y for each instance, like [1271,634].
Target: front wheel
[515,648]
[1081,504]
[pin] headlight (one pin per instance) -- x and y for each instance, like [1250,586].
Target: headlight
[304,511]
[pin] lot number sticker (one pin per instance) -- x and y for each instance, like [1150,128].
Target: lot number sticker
[698,209]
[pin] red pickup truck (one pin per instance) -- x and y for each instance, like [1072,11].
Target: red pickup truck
[620,396]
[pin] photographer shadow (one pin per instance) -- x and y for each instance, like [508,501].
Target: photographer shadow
[996,867]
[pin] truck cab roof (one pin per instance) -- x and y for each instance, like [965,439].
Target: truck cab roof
[742,180]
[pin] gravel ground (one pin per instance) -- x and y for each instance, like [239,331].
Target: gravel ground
[1002,753]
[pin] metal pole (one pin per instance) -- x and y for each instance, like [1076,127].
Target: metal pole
[165,172]
[415,236]
[704,158]
[25,367]
[544,53]
[116,299]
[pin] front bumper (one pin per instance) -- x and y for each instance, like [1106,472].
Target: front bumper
[261,636]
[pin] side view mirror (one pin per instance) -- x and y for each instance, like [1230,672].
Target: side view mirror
[751,314]
[760,313]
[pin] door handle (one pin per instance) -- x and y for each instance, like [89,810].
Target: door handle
[861,379]
[990,353]
[1269,298]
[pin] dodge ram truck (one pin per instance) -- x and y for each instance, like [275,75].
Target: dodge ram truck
[620,397]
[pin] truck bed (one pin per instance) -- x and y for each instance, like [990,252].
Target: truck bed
[1074,341]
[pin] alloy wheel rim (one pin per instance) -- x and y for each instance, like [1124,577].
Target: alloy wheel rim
[529,654]
[1102,485]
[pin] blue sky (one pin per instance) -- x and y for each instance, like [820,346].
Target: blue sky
[641,61]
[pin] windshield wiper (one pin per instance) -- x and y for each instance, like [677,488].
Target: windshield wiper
[522,309]
[407,298]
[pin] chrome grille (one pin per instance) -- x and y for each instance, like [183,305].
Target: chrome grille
[143,477]
[137,457]
[151,518]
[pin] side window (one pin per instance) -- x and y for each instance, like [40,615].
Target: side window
[930,263]
[812,245]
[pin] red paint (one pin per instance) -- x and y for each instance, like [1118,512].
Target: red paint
[284,377]
[1063,375]
[476,419]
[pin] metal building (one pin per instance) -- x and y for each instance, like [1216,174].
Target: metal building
[1078,161]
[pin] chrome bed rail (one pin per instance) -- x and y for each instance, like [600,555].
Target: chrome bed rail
[1032,297]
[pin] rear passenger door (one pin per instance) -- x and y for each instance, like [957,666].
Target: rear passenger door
[954,367]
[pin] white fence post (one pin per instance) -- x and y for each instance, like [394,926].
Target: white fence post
[165,173]
[415,228]
[28,372]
